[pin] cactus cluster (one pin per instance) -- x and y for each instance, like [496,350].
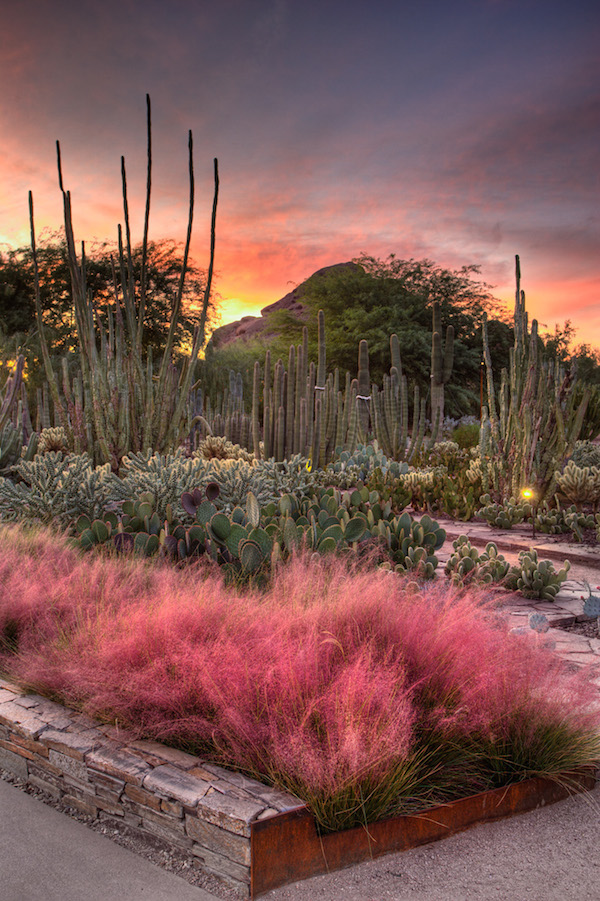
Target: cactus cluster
[467,565]
[506,515]
[217,447]
[249,538]
[350,467]
[579,484]
[586,453]
[533,422]
[53,488]
[559,520]
[536,578]
[119,400]
[53,439]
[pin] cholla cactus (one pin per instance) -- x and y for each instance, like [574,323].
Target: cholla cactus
[53,440]
[217,447]
[579,484]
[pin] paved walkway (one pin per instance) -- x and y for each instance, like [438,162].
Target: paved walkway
[47,856]
[568,606]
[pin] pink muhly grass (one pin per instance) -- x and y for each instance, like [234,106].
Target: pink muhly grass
[338,683]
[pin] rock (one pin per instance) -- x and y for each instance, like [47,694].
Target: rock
[260,326]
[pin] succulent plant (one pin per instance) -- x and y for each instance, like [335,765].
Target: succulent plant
[586,453]
[217,447]
[579,484]
[505,515]
[53,440]
[591,606]
[411,543]
[536,578]
[466,564]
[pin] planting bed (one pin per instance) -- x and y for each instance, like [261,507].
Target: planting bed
[253,837]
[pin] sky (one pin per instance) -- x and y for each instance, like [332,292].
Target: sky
[460,131]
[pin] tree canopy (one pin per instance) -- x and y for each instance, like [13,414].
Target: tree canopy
[373,299]
[18,326]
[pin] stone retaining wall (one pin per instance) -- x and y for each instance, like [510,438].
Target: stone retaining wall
[198,807]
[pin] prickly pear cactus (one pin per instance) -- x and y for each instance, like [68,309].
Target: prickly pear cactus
[536,578]
[505,515]
[467,565]
[591,606]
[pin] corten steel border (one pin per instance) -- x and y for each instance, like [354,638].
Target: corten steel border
[287,848]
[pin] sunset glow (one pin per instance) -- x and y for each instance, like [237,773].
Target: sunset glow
[463,133]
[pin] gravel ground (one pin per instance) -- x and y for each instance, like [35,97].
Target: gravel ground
[159,853]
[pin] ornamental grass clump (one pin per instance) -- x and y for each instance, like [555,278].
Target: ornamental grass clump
[363,693]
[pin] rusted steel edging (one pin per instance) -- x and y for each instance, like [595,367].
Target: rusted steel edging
[287,848]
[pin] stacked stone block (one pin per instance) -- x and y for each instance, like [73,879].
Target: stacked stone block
[199,807]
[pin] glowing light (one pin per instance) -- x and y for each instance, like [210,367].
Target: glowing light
[527,493]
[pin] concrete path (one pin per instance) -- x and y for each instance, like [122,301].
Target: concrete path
[46,856]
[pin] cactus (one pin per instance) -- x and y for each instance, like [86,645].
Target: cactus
[536,579]
[117,402]
[505,515]
[579,484]
[534,421]
[466,564]
[9,398]
[411,543]
[586,453]
[591,606]
[442,360]
[53,440]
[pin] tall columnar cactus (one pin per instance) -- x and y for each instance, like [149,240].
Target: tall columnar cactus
[364,389]
[535,419]
[442,361]
[119,402]
[9,398]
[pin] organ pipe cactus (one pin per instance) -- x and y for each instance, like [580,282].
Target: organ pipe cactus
[442,361]
[9,397]
[120,401]
[534,421]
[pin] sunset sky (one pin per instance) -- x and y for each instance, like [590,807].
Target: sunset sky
[463,131]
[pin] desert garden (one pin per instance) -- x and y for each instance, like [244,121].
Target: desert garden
[257,581]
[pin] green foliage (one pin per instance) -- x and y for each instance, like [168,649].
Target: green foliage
[536,579]
[466,565]
[54,489]
[505,515]
[378,298]
[579,484]
[466,436]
